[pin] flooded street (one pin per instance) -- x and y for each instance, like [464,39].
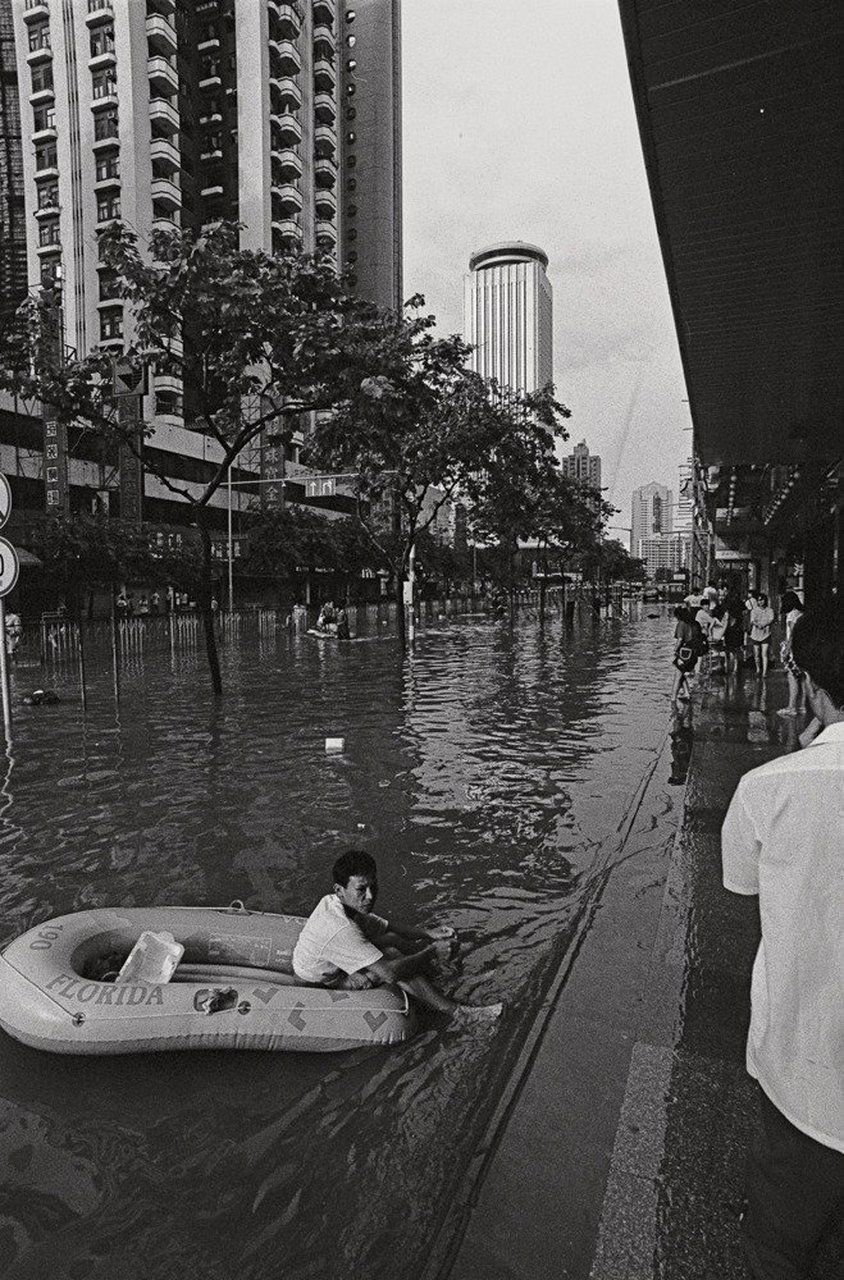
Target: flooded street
[486,773]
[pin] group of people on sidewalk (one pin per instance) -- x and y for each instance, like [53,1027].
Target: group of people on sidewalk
[718,623]
[783,840]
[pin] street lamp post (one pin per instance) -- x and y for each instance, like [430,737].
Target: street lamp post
[231,561]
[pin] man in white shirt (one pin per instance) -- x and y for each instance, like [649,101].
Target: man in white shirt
[345,945]
[783,839]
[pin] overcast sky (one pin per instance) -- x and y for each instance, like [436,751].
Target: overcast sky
[519,124]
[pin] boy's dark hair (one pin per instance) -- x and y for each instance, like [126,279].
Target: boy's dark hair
[817,645]
[354,862]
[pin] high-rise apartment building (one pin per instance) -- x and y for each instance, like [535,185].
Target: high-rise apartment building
[508,315]
[651,513]
[284,116]
[583,466]
[667,551]
[12,217]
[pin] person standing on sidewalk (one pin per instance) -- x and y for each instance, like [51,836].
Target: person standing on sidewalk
[783,839]
[761,621]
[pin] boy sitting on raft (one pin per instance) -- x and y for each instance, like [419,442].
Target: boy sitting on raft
[346,946]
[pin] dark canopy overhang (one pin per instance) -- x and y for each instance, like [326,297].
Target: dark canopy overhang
[739,109]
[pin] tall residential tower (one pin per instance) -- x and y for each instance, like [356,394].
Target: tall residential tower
[282,115]
[651,513]
[507,315]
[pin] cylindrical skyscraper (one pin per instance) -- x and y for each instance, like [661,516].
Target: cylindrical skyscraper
[507,315]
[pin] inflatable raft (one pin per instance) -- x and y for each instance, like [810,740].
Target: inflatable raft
[234,988]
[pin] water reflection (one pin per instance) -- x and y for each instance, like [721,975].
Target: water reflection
[484,774]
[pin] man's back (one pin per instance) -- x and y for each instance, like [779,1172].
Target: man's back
[783,838]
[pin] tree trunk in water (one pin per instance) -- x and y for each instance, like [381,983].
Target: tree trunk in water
[205,588]
[401,622]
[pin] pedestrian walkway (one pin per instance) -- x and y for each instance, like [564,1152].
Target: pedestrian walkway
[619,1150]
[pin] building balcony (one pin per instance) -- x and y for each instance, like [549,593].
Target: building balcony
[210,192]
[324,75]
[99,11]
[167,382]
[36,11]
[45,135]
[165,194]
[287,199]
[324,13]
[49,171]
[285,59]
[48,210]
[103,184]
[325,141]
[325,172]
[39,97]
[108,58]
[289,21]
[166,222]
[324,41]
[206,46]
[285,94]
[163,152]
[213,153]
[287,166]
[287,228]
[106,97]
[287,131]
[167,8]
[107,142]
[325,108]
[210,82]
[325,203]
[326,234]
[163,77]
[54,246]
[164,117]
[161,35]
[42,54]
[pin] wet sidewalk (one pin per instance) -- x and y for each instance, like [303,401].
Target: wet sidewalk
[618,1151]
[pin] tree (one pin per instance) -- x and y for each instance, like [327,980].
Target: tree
[423,431]
[282,543]
[259,339]
[80,551]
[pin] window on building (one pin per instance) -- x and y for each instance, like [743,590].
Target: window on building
[351,90]
[51,272]
[351,41]
[107,167]
[352,234]
[108,207]
[105,124]
[352,210]
[209,67]
[351,64]
[351,113]
[103,83]
[48,233]
[111,324]
[48,195]
[39,38]
[351,161]
[42,78]
[102,41]
[351,137]
[45,156]
[351,257]
[43,118]
[109,287]
[351,185]
[350,15]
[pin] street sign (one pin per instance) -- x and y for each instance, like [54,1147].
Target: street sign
[10,567]
[5,500]
[128,379]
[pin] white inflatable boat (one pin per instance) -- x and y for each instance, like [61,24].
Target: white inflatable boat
[233,989]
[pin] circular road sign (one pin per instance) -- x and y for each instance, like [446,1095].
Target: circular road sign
[5,500]
[10,567]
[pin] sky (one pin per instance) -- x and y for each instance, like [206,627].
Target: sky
[518,123]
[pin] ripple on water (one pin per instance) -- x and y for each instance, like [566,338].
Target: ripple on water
[485,774]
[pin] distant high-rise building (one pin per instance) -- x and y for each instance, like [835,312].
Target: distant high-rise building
[583,466]
[508,315]
[652,511]
[12,214]
[669,551]
[283,116]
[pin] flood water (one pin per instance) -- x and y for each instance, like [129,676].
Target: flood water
[486,774]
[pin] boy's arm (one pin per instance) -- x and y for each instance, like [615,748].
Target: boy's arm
[395,968]
[413,933]
[740,847]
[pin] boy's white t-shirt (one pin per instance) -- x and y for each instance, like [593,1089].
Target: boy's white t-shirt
[332,942]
